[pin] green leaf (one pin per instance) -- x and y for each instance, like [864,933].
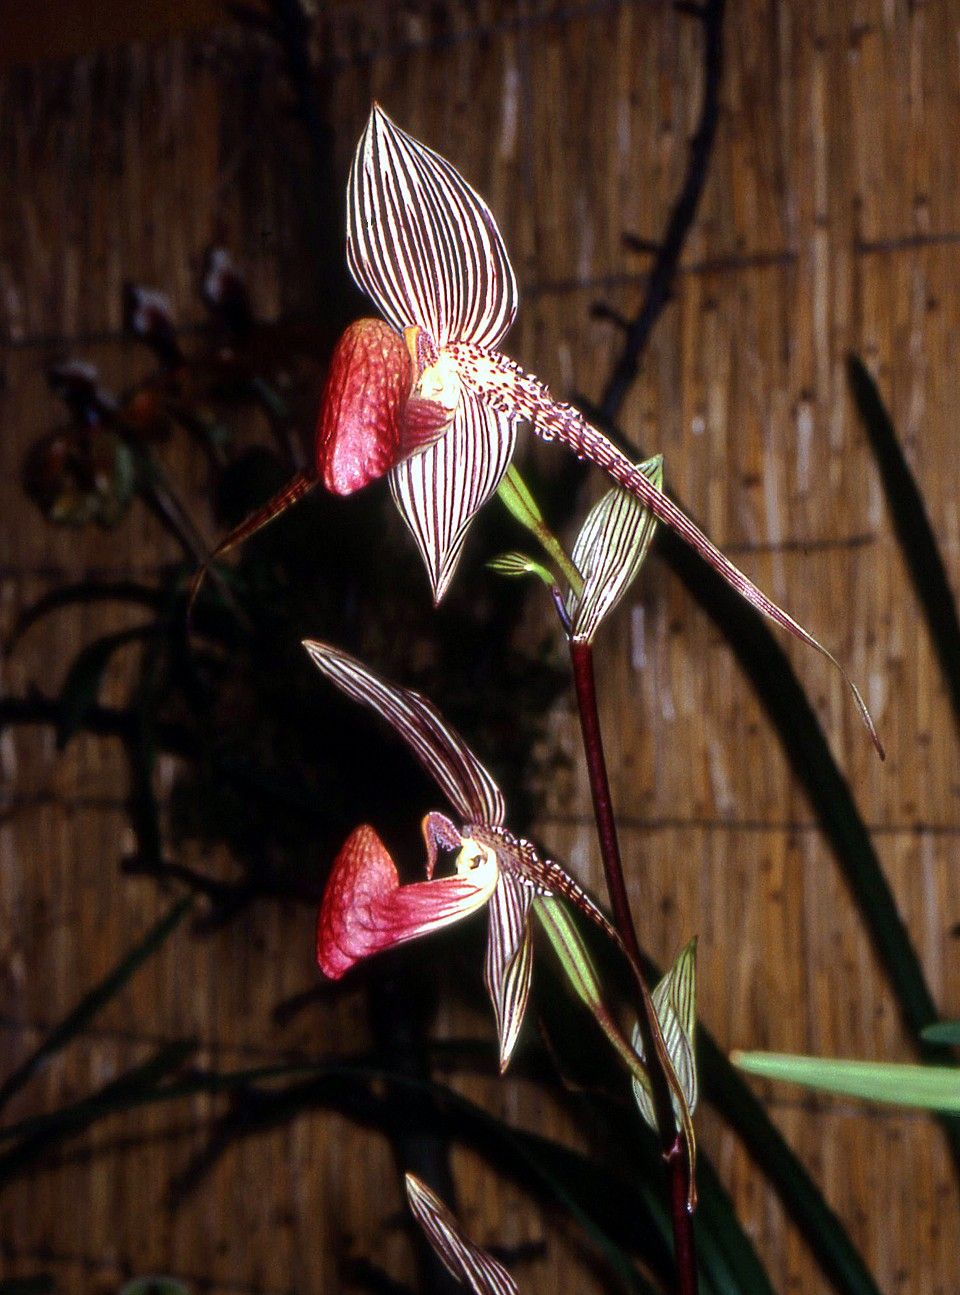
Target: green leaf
[94,1002]
[519,564]
[81,688]
[515,495]
[579,969]
[943,1032]
[609,552]
[912,527]
[932,1088]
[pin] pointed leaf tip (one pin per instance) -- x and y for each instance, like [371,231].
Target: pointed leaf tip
[465,1260]
[895,1083]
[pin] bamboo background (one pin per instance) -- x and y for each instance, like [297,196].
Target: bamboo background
[830,223]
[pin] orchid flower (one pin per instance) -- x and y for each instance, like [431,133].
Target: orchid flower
[366,910]
[425,397]
[426,249]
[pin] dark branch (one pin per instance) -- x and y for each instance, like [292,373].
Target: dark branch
[668,252]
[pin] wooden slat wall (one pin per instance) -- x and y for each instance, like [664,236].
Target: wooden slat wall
[831,222]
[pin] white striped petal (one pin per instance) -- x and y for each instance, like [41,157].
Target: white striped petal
[440,749]
[422,243]
[509,960]
[466,1261]
[439,489]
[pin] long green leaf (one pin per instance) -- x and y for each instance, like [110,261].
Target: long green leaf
[912,527]
[931,1088]
[93,1002]
[947,1032]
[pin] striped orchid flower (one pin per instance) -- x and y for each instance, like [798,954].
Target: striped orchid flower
[426,249]
[366,910]
[424,396]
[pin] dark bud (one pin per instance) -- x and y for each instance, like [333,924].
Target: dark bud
[143,415]
[224,291]
[76,383]
[148,317]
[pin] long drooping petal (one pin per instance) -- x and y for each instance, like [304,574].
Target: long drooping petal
[440,749]
[366,910]
[468,1263]
[439,490]
[504,386]
[422,243]
[509,960]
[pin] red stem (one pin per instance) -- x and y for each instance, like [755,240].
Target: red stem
[674,1151]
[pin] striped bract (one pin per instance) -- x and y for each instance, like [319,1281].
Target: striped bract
[465,1260]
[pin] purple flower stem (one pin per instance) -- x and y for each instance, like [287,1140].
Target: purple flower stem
[674,1151]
